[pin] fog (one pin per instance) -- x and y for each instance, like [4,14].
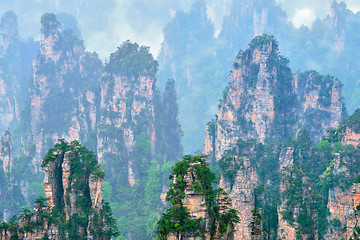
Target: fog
[106,23]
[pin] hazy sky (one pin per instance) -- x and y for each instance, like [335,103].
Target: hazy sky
[106,23]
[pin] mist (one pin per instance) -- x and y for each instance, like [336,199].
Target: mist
[104,24]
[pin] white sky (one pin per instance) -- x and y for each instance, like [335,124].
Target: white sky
[300,13]
[142,21]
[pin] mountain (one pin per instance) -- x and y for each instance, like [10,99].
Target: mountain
[73,207]
[114,108]
[327,47]
[282,146]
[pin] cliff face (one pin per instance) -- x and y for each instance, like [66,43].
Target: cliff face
[127,112]
[248,106]
[61,106]
[320,103]
[5,152]
[242,194]
[198,211]
[344,214]
[12,70]
[74,207]
[344,199]
[194,202]
[263,100]
[263,105]
[116,110]
[298,201]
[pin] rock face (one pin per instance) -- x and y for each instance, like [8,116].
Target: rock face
[14,71]
[195,204]
[115,109]
[61,105]
[242,194]
[5,152]
[264,101]
[198,210]
[249,108]
[127,110]
[344,214]
[343,202]
[286,231]
[320,103]
[73,192]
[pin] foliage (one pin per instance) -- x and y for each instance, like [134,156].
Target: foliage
[49,24]
[177,218]
[354,121]
[98,221]
[130,60]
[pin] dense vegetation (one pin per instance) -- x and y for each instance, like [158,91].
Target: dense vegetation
[306,181]
[220,219]
[71,223]
[199,63]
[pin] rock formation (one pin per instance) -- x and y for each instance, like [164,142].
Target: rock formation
[198,211]
[115,109]
[263,100]
[5,152]
[14,71]
[74,207]
[127,107]
[60,105]
[320,103]
[262,107]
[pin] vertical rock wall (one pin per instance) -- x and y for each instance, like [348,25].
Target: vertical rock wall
[63,91]
[266,102]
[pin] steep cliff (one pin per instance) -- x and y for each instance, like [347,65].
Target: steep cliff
[128,93]
[320,102]
[198,211]
[15,65]
[264,100]
[115,109]
[138,137]
[63,89]
[5,152]
[344,198]
[261,112]
[74,207]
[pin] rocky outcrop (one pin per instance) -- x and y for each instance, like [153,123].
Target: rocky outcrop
[263,100]
[242,194]
[198,211]
[248,106]
[194,202]
[266,102]
[61,71]
[285,229]
[73,193]
[127,110]
[5,152]
[344,203]
[320,103]
[344,215]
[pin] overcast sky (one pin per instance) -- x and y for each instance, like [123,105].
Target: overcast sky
[106,23]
